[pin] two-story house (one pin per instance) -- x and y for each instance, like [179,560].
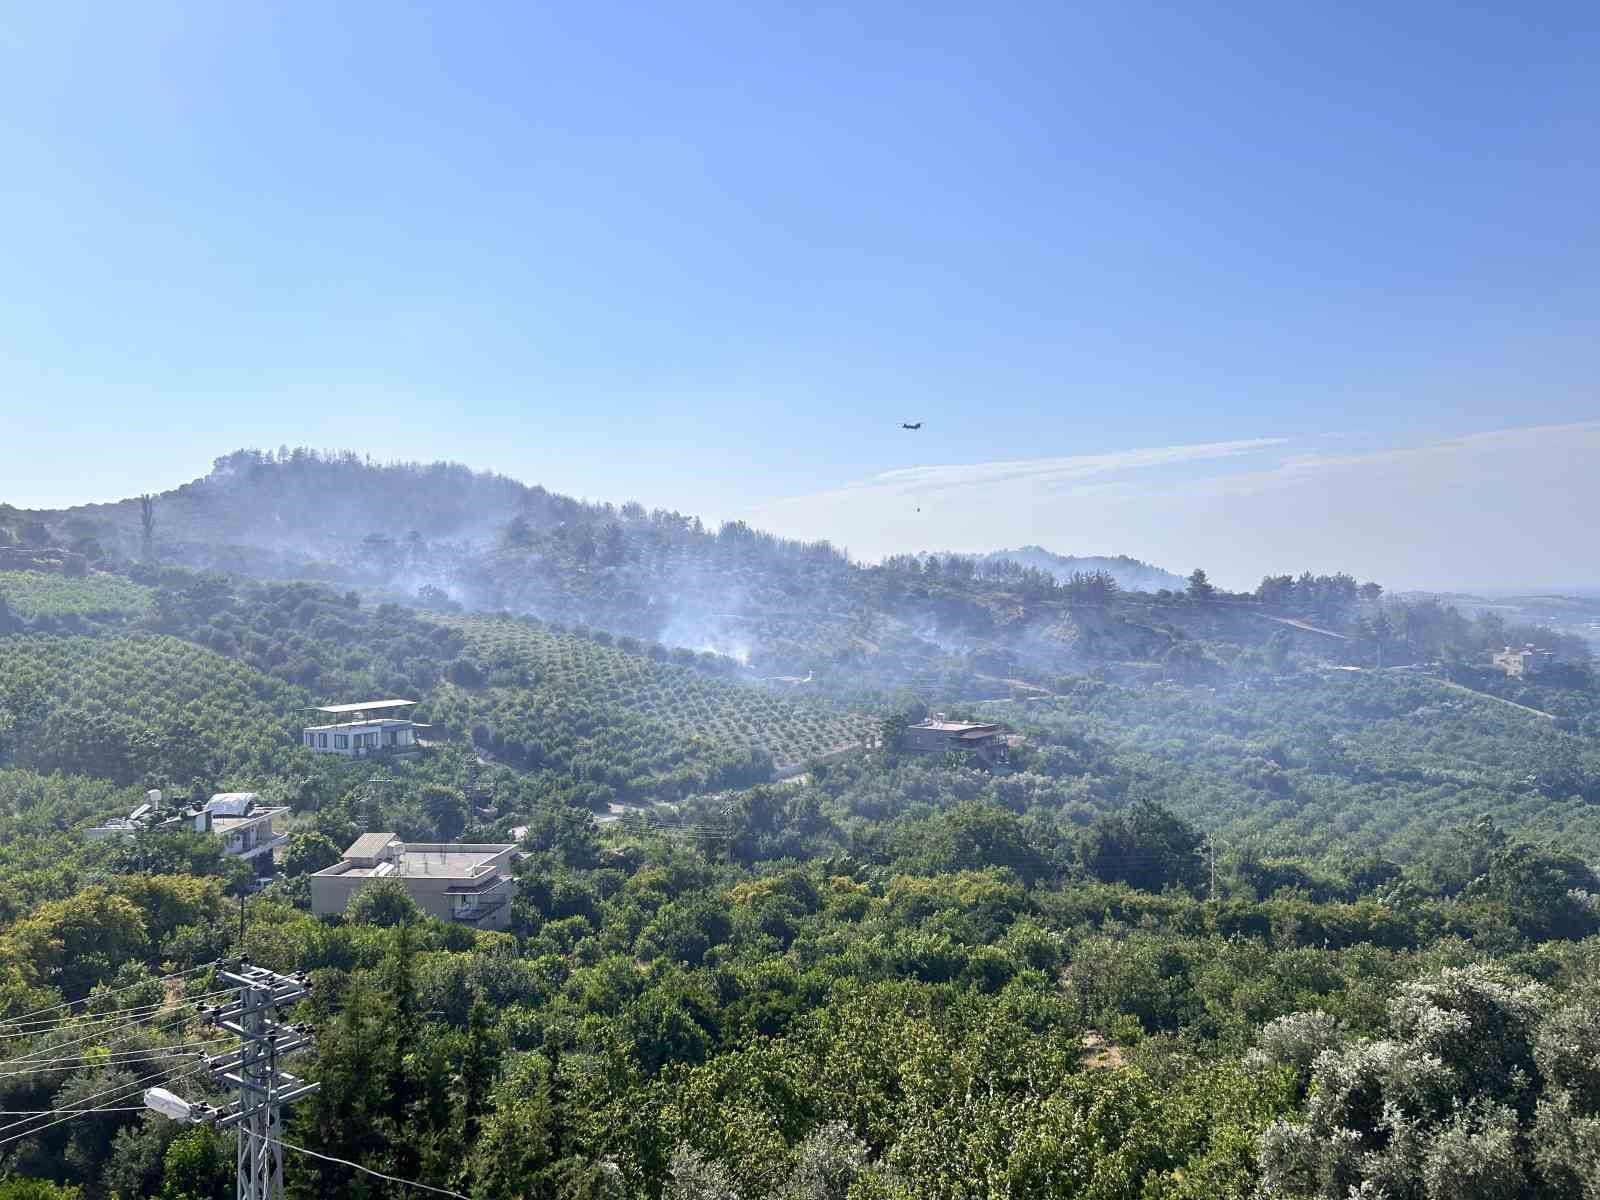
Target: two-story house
[244,824]
[939,736]
[453,881]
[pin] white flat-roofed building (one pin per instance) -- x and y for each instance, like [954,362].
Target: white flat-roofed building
[244,824]
[453,881]
[369,727]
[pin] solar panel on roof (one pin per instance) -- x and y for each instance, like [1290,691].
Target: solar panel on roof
[364,706]
[233,804]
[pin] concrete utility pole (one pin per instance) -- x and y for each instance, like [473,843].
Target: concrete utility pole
[727,825]
[371,792]
[253,1068]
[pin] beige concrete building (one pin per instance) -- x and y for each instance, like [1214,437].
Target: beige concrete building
[449,880]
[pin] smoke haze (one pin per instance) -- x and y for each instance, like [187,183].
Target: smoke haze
[1510,507]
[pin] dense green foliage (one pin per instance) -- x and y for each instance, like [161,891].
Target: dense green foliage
[1336,761]
[147,708]
[674,703]
[582,719]
[31,595]
[1245,915]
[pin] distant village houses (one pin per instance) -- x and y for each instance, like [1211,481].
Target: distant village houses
[453,881]
[239,819]
[367,727]
[1521,661]
[47,560]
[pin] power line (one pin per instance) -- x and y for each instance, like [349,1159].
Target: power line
[129,1017]
[112,992]
[345,1162]
[121,1091]
[46,1112]
[98,1055]
[259,991]
[122,1016]
[125,1059]
[264,1088]
[83,1019]
[141,1025]
[120,1087]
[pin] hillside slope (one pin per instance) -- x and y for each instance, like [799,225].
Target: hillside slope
[31,595]
[583,718]
[151,710]
[947,626]
[527,660]
[1131,574]
[487,542]
[1343,761]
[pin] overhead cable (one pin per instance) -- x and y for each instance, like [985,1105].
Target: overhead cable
[355,1166]
[111,992]
[121,1093]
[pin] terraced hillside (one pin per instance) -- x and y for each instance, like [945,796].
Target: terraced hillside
[577,717]
[684,704]
[148,710]
[1353,761]
[34,594]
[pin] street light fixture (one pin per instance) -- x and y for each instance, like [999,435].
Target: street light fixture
[168,1104]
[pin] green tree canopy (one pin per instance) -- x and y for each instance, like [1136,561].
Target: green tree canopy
[384,903]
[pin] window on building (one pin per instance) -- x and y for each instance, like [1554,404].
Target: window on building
[311,740]
[322,741]
[372,740]
[341,741]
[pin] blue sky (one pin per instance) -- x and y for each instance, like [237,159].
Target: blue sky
[710,255]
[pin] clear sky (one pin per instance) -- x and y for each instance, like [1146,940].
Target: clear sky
[710,256]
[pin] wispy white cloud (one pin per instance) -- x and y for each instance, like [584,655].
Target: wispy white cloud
[1511,505]
[1489,452]
[1054,471]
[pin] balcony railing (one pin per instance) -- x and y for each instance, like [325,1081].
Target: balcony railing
[480,910]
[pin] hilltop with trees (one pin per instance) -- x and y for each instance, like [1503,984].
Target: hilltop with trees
[1286,891]
[445,538]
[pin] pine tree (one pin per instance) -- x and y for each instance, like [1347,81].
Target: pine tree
[147,524]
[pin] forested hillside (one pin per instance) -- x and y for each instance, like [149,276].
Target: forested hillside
[68,602]
[586,719]
[146,708]
[1338,761]
[442,535]
[1130,574]
[445,538]
[1282,894]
